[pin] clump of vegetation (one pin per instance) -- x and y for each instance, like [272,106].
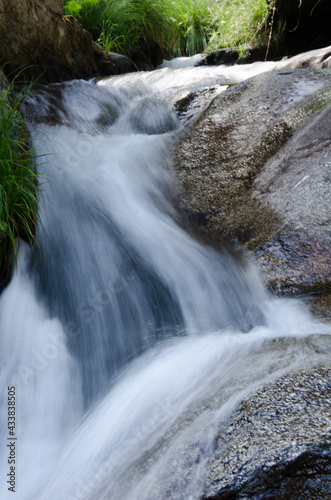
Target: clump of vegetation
[120,25]
[18,178]
[176,27]
[239,22]
[194,25]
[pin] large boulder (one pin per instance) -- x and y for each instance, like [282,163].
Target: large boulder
[53,47]
[255,169]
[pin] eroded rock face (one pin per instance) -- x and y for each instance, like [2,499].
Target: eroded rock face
[35,33]
[295,184]
[256,167]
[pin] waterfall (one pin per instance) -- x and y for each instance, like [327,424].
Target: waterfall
[129,341]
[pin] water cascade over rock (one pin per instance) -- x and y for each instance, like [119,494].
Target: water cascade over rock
[132,343]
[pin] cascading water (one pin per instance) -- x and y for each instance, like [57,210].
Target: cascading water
[128,341]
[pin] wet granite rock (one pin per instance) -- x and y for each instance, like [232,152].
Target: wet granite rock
[121,62]
[306,475]
[278,444]
[256,165]
[243,54]
[295,184]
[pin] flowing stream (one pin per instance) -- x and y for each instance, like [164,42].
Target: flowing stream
[128,341]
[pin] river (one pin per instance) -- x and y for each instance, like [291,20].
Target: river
[130,342]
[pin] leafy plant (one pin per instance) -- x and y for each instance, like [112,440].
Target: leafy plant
[18,179]
[194,25]
[73,8]
[239,22]
[174,27]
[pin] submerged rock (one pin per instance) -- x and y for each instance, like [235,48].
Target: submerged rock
[60,104]
[256,165]
[152,116]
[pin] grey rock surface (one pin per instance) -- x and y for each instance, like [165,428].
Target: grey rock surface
[279,442]
[256,167]
[314,59]
[295,185]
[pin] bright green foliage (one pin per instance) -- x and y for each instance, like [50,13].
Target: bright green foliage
[194,23]
[90,13]
[239,22]
[18,179]
[176,27]
[123,24]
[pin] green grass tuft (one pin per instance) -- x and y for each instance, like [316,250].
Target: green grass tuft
[175,27]
[18,179]
[239,22]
